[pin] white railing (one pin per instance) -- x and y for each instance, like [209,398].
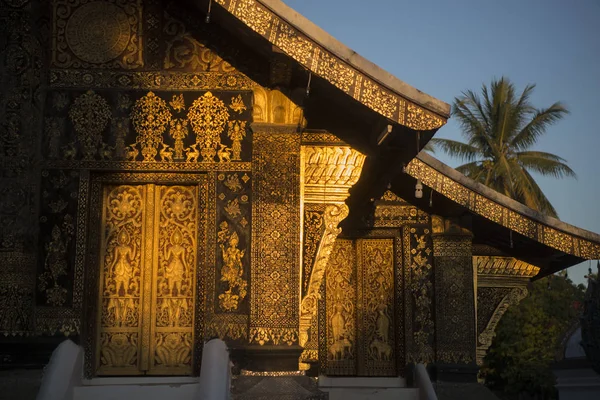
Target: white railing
[423,382]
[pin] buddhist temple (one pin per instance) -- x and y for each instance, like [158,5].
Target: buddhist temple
[177,171]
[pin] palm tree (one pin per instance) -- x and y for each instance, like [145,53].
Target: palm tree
[500,128]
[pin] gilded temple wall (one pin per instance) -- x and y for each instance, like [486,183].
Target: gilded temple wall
[132,217]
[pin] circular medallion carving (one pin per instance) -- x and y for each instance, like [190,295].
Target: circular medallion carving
[98,32]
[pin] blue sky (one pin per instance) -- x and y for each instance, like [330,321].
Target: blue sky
[444,47]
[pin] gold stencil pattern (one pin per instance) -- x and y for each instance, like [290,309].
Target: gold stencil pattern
[455,305]
[90,114]
[147,280]
[275,234]
[418,278]
[150,118]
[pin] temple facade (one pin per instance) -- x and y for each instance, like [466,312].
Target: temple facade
[175,171]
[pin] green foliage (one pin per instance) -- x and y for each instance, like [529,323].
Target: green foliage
[500,127]
[528,335]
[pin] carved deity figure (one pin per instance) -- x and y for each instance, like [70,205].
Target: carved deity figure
[122,267]
[231,273]
[237,132]
[380,347]
[338,323]
[176,264]
[179,131]
[118,352]
[383,323]
[173,350]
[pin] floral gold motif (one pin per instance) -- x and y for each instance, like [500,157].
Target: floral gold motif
[90,114]
[150,118]
[208,116]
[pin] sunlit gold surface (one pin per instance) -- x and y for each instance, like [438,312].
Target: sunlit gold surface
[330,172]
[147,287]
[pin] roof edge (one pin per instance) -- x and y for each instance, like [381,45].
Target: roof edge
[503,210]
[327,58]
[350,56]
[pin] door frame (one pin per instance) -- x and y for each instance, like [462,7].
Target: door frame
[93,247]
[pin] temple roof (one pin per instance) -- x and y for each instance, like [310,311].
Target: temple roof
[539,239]
[324,56]
[569,243]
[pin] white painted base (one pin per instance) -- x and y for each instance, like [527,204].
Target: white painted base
[362,388]
[137,392]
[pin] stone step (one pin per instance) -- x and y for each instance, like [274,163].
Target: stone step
[356,393]
[137,392]
[367,388]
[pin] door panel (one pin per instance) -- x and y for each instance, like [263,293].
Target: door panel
[147,281]
[361,323]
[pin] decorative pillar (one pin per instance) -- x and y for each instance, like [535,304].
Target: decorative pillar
[455,315]
[329,170]
[275,259]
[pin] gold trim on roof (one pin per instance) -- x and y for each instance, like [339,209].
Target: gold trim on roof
[502,215]
[323,63]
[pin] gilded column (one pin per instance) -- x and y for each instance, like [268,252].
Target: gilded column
[455,315]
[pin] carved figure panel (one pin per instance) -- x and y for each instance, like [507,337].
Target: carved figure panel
[340,284]
[359,332]
[376,310]
[57,222]
[148,279]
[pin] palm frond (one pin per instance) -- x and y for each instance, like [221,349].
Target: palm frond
[528,191]
[541,120]
[545,164]
[455,148]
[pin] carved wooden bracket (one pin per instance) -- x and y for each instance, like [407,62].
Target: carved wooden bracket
[484,340]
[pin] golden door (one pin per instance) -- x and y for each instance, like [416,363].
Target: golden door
[147,285]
